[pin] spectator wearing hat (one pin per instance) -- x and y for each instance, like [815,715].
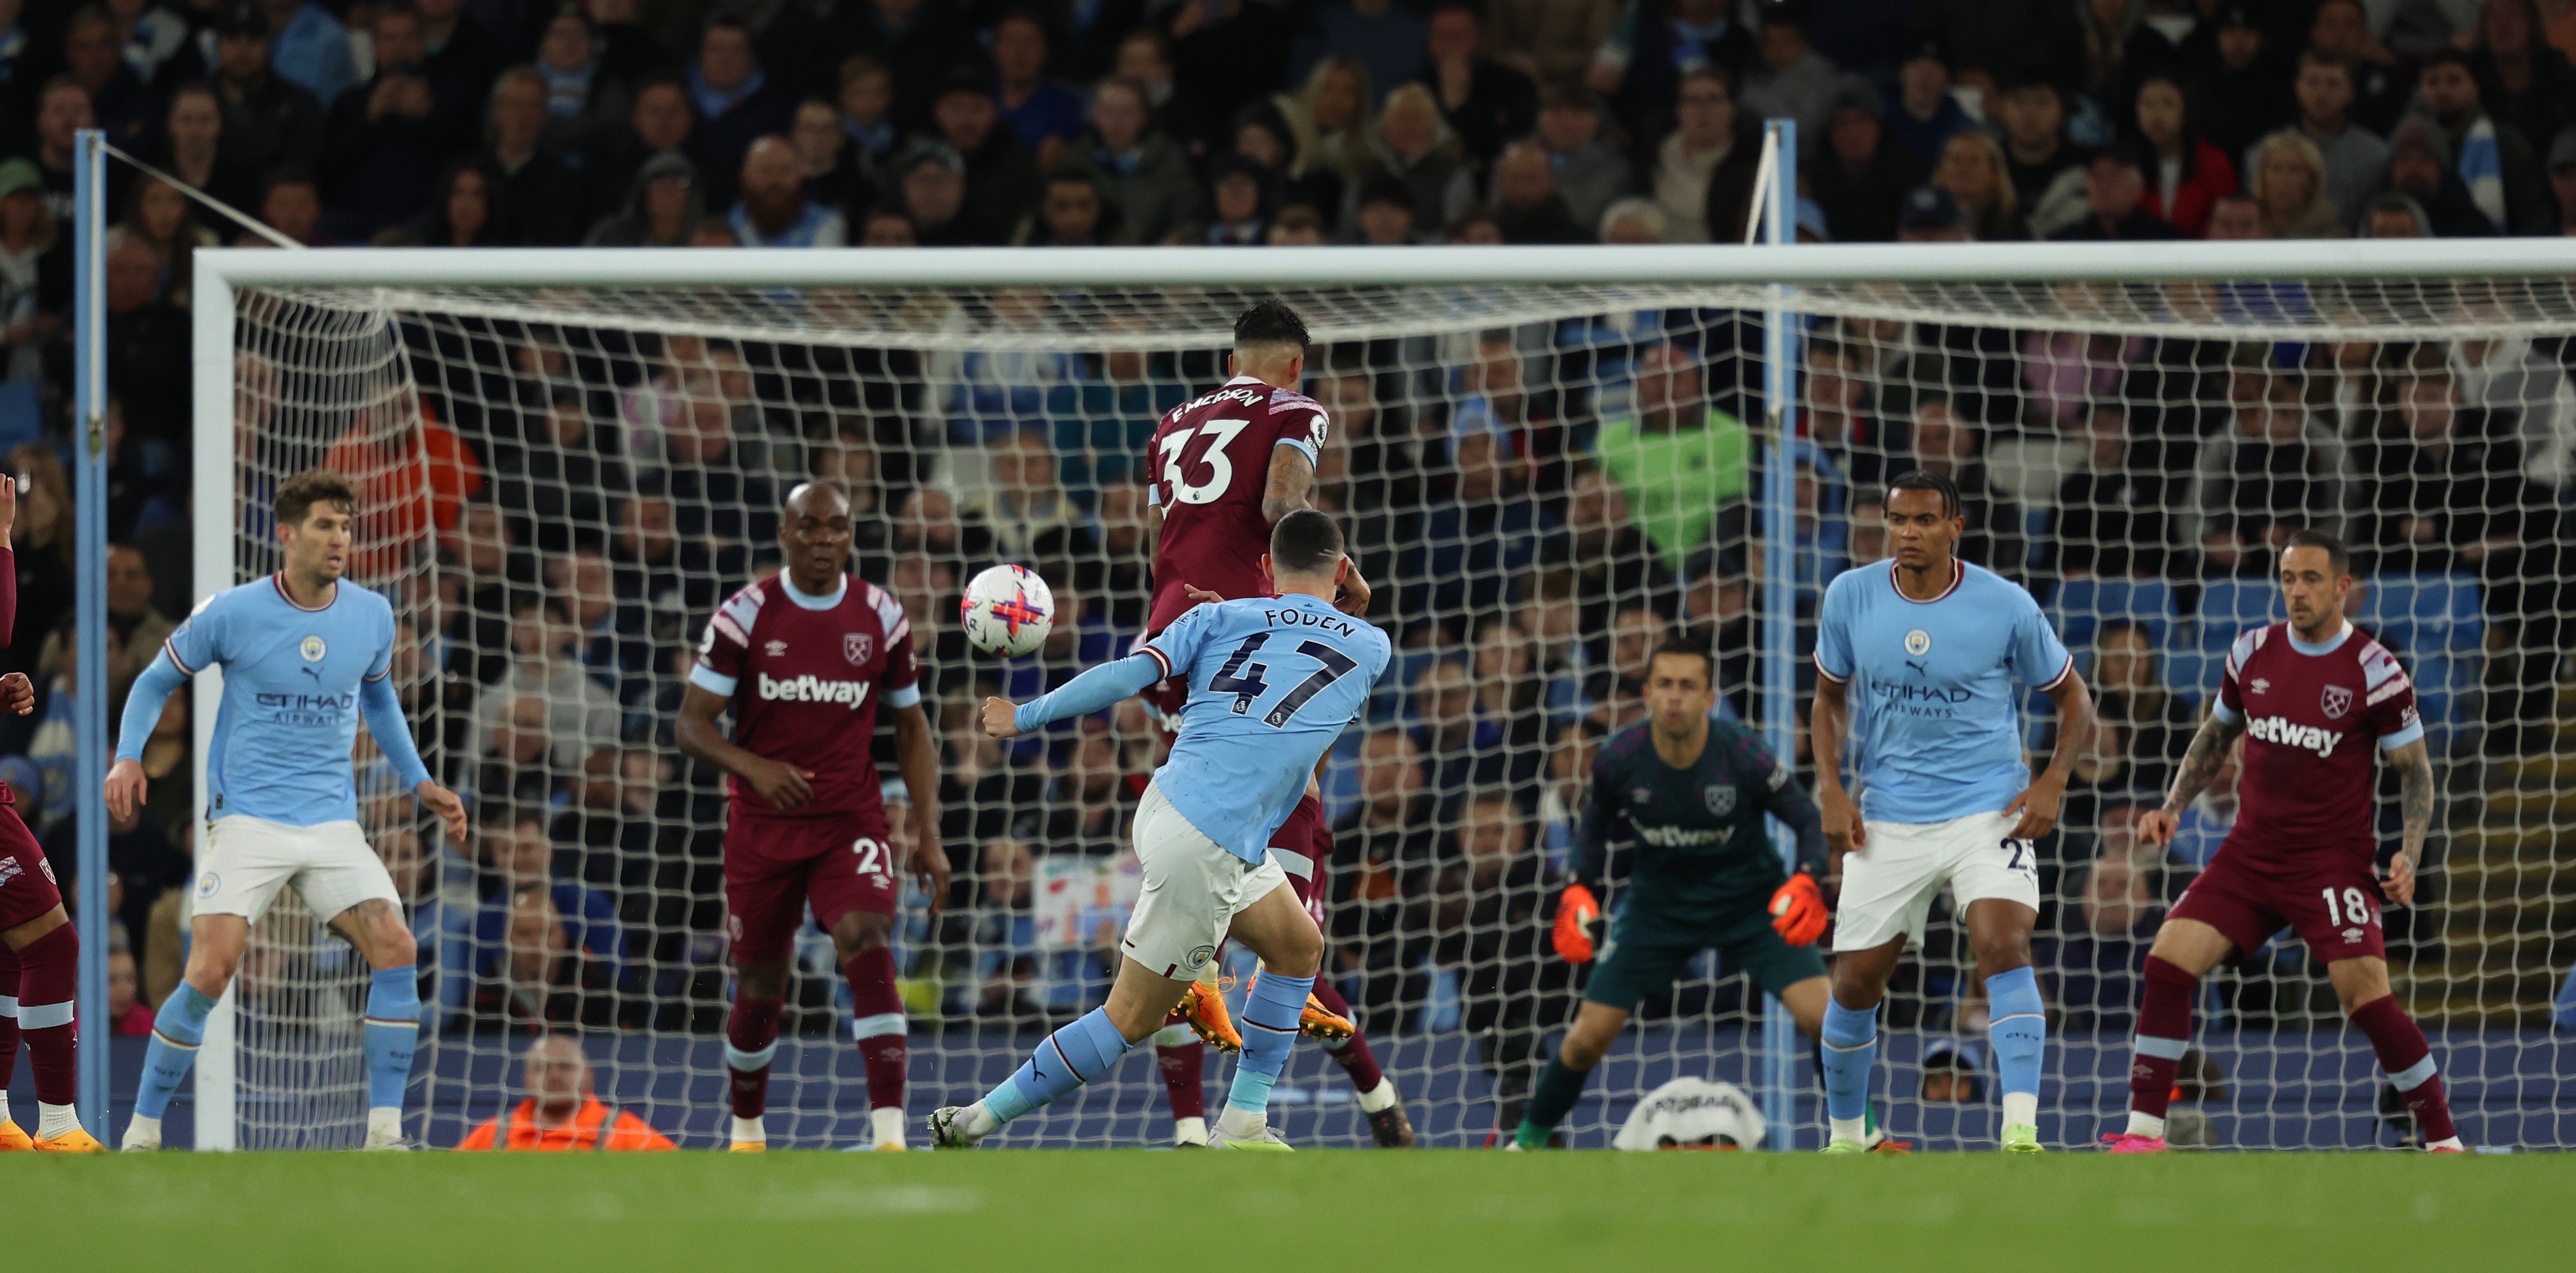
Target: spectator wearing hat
[2420,167]
[1140,173]
[1588,173]
[930,193]
[1485,102]
[2356,159]
[1044,115]
[1930,215]
[773,211]
[1922,113]
[1793,80]
[736,103]
[2493,159]
[1002,182]
[2562,177]
[35,266]
[309,47]
[563,1112]
[1527,205]
[1859,175]
[2114,193]
[1954,1071]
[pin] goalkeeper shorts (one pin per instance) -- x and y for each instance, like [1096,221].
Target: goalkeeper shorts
[1643,962]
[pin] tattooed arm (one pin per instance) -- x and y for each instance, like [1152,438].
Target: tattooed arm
[2200,763]
[2415,801]
[1291,476]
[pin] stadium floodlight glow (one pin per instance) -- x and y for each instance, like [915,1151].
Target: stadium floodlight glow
[768,364]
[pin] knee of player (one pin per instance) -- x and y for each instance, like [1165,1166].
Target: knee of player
[764,980]
[1302,954]
[1582,1050]
[861,931]
[394,948]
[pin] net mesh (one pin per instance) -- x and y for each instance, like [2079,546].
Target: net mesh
[562,483]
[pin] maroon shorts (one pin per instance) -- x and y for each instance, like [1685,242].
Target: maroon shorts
[1305,851]
[2333,907]
[27,890]
[774,867]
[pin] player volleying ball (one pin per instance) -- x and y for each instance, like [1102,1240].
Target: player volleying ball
[2315,702]
[306,654]
[1272,683]
[1916,661]
[1691,793]
[803,660]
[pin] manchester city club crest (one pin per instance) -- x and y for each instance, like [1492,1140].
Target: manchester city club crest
[2335,701]
[313,649]
[856,647]
[1721,798]
[1917,641]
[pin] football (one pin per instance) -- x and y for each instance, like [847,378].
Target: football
[1007,610]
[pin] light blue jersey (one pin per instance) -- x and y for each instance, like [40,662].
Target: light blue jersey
[1272,683]
[296,683]
[1932,701]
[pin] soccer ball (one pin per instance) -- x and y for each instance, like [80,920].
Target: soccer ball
[1007,610]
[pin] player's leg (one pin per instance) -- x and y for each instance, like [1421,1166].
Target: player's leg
[1999,933]
[12,1139]
[1379,1100]
[863,940]
[1182,1059]
[1139,1000]
[2361,982]
[764,904]
[215,945]
[348,882]
[47,952]
[1887,893]
[1596,1026]
[1278,929]
[2218,916]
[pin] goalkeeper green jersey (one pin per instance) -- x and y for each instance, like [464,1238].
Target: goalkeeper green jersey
[1701,858]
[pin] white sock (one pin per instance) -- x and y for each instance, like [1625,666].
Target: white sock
[1380,1097]
[1242,1124]
[2452,1142]
[1854,1130]
[2021,1109]
[980,1121]
[54,1120]
[384,1124]
[2142,1123]
[888,1123]
[143,1130]
[1189,1131]
[750,1131]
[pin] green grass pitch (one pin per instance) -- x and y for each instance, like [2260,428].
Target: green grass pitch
[1359,1209]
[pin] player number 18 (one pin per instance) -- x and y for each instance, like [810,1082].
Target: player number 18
[2356,907]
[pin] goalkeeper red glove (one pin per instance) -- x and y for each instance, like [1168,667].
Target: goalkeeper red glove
[1798,910]
[1578,924]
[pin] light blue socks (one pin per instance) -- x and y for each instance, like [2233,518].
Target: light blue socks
[1849,1054]
[2019,1034]
[176,1031]
[393,1030]
[1069,1058]
[1270,1016]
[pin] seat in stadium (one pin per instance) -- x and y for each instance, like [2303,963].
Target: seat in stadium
[2082,604]
[2437,626]
[2229,606]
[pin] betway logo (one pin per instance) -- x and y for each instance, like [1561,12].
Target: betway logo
[2273,729]
[813,689]
[1684,837]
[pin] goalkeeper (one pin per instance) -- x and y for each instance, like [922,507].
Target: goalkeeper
[1691,793]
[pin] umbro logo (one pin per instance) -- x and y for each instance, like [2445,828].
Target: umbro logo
[776,648]
[2261,686]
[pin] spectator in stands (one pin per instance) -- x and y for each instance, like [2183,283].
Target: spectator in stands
[128,1017]
[35,269]
[1971,174]
[660,122]
[2046,171]
[774,210]
[1614,690]
[1002,181]
[535,979]
[2288,179]
[2273,470]
[1947,445]
[1044,115]
[865,117]
[1555,41]
[1241,204]
[2188,172]
[2142,727]
[163,219]
[1649,56]
[1701,173]
[1678,458]
[1861,173]
[62,110]
[664,208]
[130,612]
[1385,216]
[461,212]
[2445,490]
[1141,174]
[538,197]
[1792,80]
[2244,91]
[1491,909]
[1086,807]
[1613,563]
[563,1112]
[1588,173]
[2521,78]
[1416,152]
[1024,507]
[310,47]
[1561,794]
[1459,745]
[1528,206]
[271,120]
[827,160]
[147,343]
[1839,416]
[460,52]
[1485,102]
[2493,159]
[736,103]
[519,858]
[2121,901]
[2109,517]
[388,138]
[2562,178]
[2341,29]
[43,541]
[1384,851]
[2419,170]
[2356,159]
[1225,54]
[1382,41]
[580,718]
[2115,200]
[1922,113]
[589,67]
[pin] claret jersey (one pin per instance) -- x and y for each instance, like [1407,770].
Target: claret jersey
[805,675]
[1210,462]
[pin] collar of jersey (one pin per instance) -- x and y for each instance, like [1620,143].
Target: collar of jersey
[2312,649]
[807,600]
[289,598]
[1247,380]
[1958,576]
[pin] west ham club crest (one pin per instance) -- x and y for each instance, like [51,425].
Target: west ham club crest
[856,647]
[2336,701]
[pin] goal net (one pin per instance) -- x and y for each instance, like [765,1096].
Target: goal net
[1545,481]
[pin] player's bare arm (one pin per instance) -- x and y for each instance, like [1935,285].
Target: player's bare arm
[449,808]
[2415,800]
[1827,724]
[1291,482]
[2038,803]
[2200,764]
[918,758]
[783,785]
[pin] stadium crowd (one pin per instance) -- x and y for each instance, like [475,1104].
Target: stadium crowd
[1542,505]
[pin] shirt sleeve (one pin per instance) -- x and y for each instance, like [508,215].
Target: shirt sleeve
[1592,830]
[725,646]
[1833,634]
[1177,646]
[2388,698]
[1771,783]
[1301,422]
[198,642]
[2039,659]
[381,666]
[2229,706]
[899,685]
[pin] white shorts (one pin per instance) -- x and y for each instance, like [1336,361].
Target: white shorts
[247,860]
[1889,883]
[1193,890]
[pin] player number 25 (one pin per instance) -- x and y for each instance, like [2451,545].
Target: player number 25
[1219,433]
[2356,907]
[1249,685]
[872,856]
[2017,855]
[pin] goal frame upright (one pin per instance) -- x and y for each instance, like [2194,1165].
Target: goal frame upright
[220,275]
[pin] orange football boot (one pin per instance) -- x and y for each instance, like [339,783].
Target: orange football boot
[13,1140]
[1320,1023]
[74,1141]
[1203,1009]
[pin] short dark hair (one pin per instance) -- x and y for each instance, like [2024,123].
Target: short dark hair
[1682,648]
[2446,56]
[2337,555]
[1305,542]
[297,495]
[1926,480]
[1271,322]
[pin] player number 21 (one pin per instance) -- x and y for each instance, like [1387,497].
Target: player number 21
[1220,467]
[2356,907]
[872,856]
[1248,685]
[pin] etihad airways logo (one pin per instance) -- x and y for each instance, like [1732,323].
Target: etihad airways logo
[2274,729]
[812,689]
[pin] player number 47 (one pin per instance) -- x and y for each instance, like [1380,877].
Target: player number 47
[1248,685]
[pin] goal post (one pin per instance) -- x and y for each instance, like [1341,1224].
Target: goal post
[957,367]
